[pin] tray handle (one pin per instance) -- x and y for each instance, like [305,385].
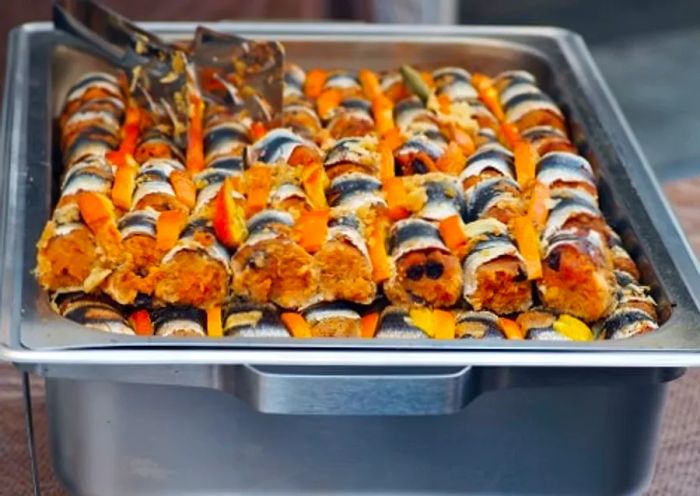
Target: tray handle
[305,391]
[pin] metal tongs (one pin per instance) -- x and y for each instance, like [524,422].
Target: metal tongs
[229,70]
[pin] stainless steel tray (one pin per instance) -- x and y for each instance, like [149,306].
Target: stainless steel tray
[42,63]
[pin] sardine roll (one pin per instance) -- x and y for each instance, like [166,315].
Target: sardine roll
[343,81]
[210,180]
[575,213]
[497,198]
[396,323]
[563,169]
[196,270]
[112,105]
[353,117]
[248,320]
[426,272]
[154,186]
[92,86]
[393,87]
[411,111]
[289,197]
[485,136]
[94,311]
[495,277]
[547,139]
[443,197]
[67,255]
[294,78]
[92,142]
[478,325]
[344,263]
[271,267]
[86,119]
[302,120]
[538,325]
[336,319]
[91,174]
[418,155]
[282,146]
[577,275]
[180,321]
[454,82]
[136,275]
[352,155]
[526,105]
[632,294]
[626,322]
[622,261]
[484,117]
[156,143]
[226,138]
[355,190]
[487,162]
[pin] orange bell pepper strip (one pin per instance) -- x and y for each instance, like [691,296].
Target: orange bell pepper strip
[214,326]
[445,324]
[376,245]
[392,139]
[452,161]
[327,102]
[383,112]
[130,135]
[444,103]
[538,208]
[525,163]
[96,210]
[529,245]
[229,218]
[488,94]
[124,183]
[141,322]
[465,142]
[386,162]
[168,228]
[304,155]
[511,329]
[184,187]
[452,233]
[296,325]
[370,83]
[315,79]
[259,184]
[315,181]
[511,134]
[427,77]
[311,229]
[257,130]
[369,324]
[195,134]
[424,319]
[395,195]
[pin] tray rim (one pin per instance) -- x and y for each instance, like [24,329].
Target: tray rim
[570,44]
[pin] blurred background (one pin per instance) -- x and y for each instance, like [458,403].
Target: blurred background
[647,51]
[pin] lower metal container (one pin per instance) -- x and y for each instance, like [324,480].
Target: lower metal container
[183,417]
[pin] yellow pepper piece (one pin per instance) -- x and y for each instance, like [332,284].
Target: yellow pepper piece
[438,324]
[573,328]
[423,319]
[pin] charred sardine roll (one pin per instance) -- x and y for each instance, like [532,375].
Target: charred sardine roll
[566,170]
[622,261]
[577,275]
[157,143]
[495,277]
[248,320]
[396,323]
[355,190]
[136,274]
[92,86]
[525,104]
[352,155]
[547,139]
[425,271]
[478,325]
[91,310]
[487,162]
[282,146]
[498,197]
[418,155]
[226,138]
[353,117]
[154,186]
[271,267]
[180,321]
[336,319]
[196,270]
[538,325]
[344,263]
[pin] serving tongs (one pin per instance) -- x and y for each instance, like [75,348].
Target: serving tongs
[229,70]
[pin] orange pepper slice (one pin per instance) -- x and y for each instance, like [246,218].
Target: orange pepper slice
[452,233]
[328,101]
[311,229]
[529,245]
[452,161]
[525,163]
[259,184]
[315,181]
[538,210]
[386,162]
[214,326]
[383,112]
[392,139]
[184,187]
[168,228]
[511,329]
[141,322]
[257,130]
[465,142]
[96,210]
[296,325]
[124,184]
[369,324]
[376,245]
[445,324]
[195,135]
[488,94]
[315,79]
[229,218]
[370,83]
[511,134]
[395,194]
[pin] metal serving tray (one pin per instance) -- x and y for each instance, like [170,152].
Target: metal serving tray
[42,63]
